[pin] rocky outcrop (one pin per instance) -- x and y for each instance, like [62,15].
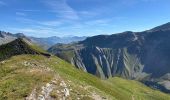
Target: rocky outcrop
[46,91]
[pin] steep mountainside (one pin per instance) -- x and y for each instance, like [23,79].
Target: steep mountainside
[142,56]
[36,77]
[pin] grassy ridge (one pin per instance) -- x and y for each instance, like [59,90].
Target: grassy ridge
[17,80]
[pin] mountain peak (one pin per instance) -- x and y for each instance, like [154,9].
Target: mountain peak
[19,35]
[163,27]
[18,47]
[3,34]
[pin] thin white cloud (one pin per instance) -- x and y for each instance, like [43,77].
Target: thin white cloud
[49,23]
[62,9]
[26,20]
[37,31]
[96,22]
[29,10]
[67,18]
[103,22]
[20,14]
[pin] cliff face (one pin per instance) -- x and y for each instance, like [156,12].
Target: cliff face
[130,55]
[105,56]
[107,62]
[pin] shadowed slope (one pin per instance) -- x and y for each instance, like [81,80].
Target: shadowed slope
[18,47]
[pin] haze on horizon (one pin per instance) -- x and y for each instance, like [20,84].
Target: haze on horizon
[44,18]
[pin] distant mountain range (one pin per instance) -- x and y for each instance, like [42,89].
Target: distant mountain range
[142,56]
[50,41]
[6,37]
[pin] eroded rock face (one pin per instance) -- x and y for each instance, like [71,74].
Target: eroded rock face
[143,55]
[127,54]
[108,62]
[106,56]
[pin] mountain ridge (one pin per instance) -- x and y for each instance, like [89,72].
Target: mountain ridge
[163,27]
[45,43]
[131,55]
[18,47]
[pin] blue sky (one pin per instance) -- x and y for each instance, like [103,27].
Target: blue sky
[43,18]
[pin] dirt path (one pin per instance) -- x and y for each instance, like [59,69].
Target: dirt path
[46,90]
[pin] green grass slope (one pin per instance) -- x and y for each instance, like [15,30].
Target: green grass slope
[25,76]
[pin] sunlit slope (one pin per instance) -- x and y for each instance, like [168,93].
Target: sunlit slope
[25,75]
